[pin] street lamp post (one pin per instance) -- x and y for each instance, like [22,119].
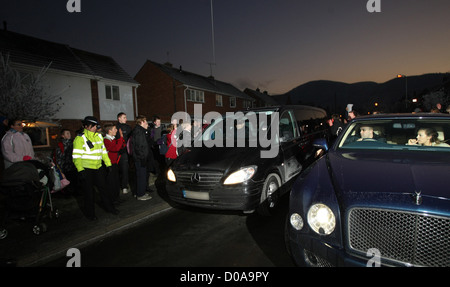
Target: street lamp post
[406,85]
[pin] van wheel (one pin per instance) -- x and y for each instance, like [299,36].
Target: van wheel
[269,195]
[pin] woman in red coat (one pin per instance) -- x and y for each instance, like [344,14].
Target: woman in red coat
[171,154]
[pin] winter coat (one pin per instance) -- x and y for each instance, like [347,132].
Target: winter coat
[172,144]
[89,157]
[126,131]
[15,146]
[184,142]
[113,146]
[63,155]
[140,145]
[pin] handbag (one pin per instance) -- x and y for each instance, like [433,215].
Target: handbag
[59,179]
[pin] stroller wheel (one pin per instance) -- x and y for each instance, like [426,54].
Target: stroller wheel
[3,233]
[38,228]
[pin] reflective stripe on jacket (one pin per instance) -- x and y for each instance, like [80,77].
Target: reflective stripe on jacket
[85,157]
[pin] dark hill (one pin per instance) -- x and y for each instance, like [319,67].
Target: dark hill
[334,96]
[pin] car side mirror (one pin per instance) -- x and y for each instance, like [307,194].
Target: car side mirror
[321,146]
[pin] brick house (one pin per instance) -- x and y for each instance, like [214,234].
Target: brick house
[164,90]
[261,99]
[88,83]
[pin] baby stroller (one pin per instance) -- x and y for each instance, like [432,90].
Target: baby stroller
[26,187]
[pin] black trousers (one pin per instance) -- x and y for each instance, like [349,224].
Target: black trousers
[113,182]
[124,170]
[97,178]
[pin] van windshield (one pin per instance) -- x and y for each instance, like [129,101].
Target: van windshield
[236,127]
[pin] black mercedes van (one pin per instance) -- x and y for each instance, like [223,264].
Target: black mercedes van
[246,160]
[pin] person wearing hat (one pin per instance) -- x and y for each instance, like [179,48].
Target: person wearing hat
[88,153]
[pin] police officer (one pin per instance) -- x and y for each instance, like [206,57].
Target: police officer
[88,153]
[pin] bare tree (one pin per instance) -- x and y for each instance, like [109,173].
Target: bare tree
[431,99]
[22,96]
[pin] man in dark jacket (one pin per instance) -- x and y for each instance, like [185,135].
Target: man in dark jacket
[141,152]
[123,155]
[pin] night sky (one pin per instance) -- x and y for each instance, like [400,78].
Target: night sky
[274,45]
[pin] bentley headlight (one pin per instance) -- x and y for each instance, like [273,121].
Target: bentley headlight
[321,219]
[241,175]
[171,176]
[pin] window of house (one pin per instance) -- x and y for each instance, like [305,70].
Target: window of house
[246,104]
[219,102]
[195,96]
[39,136]
[232,102]
[112,93]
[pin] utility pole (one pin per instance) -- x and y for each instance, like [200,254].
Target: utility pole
[212,37]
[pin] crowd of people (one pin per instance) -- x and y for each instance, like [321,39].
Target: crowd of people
[105,161]
[102,157]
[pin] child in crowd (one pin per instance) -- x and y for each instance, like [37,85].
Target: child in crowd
[113,146]
[63,158]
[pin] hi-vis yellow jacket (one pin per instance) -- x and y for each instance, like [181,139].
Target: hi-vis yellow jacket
[85,157]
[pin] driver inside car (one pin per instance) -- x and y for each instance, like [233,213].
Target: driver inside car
[366,133]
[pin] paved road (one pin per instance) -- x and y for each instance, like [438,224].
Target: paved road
[191,237]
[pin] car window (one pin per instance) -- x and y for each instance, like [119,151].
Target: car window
[404,134]
[287,127]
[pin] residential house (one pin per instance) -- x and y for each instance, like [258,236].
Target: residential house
[88,83]
[165,90]
[261,99]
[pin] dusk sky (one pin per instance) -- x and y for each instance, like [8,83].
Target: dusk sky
[274,45]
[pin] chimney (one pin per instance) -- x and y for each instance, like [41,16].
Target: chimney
[5,26]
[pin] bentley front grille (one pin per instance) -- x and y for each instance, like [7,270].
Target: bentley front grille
[412,238]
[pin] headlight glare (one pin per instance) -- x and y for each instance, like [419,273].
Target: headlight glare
[171,175]
[321,219]
[241,175]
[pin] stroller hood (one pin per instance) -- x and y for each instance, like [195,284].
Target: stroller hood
[20,173]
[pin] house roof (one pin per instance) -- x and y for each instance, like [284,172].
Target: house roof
[33,51]
[201,82]
[256,94]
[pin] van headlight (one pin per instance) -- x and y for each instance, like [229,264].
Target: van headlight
[321,219]
[241,175]
[296,221]
[171,175]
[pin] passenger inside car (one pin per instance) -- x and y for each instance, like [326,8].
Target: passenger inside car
[427,137]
